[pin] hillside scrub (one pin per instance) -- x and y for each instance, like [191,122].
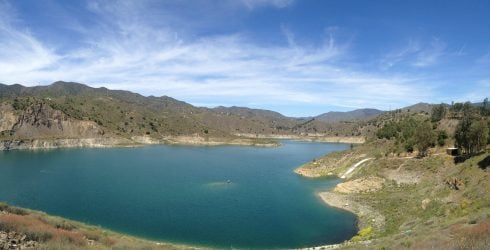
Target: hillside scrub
[49,232]
[429,202]
[409,133]
[43,111]
[472,132]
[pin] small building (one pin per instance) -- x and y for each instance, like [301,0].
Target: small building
[452,151]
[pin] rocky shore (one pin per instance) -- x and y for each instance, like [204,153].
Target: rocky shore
[101,142]
[308,137]
[367,216]
[64,143]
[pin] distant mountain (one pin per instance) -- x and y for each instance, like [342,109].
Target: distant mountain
[72,110]
[248,112]
[355,115]
[419,107]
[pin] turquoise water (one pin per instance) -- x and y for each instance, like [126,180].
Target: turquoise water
[226,196]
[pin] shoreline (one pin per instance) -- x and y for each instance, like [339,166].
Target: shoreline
[366,215]
[331,199]
[308,138]
[139,141]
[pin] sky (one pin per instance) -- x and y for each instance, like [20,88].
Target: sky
[297,57]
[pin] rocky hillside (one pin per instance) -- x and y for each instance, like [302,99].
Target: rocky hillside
[65,110]
[408,200]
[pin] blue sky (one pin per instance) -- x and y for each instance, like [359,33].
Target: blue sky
[300,58]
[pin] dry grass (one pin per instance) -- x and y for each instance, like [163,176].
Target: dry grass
[475,237]
[38,230]
[58,233]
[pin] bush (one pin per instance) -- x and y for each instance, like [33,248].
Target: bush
[12,210]
[438,112]
[441,137]
[424,138]
[363,234]
[471,134]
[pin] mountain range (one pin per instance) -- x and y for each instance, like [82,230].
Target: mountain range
[74,110]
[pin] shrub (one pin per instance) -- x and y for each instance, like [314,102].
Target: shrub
[38,229]
[441,137]
[424,138]
[363,234]
[12,210]
[438,112]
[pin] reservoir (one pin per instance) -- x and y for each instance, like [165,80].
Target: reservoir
[222,196]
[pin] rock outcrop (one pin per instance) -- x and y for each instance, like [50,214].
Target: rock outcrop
[41,121]
[14,240]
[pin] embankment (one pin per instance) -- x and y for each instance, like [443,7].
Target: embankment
[311,138]
[103,142]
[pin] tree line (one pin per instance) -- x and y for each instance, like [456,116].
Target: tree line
[472,134]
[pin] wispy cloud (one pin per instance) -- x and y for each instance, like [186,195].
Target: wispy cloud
[127,50]
[252,4]
[431,54]
[416,54]
[20,52]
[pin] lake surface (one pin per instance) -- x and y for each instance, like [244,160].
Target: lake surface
[225,196]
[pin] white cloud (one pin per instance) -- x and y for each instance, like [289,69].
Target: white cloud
[252,4]
[430,55]
[126,52]
[20,52]
[416,54]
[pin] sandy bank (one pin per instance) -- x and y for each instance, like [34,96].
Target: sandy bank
[215,141]
[361,185]
[367,216]
[310,137]
[102,142]
[32,144]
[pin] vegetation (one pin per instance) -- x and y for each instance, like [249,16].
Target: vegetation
[472,132]
[433,201]
[442,137]
[424,137]
[57,233]
[416,132]
[428,201]
[438,112]
[125,114]
[409,133]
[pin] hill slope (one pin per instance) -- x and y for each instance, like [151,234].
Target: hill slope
[67,110]
[404,200]
[355,115]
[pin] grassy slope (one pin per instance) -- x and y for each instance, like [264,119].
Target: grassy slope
[52,232]
[425,214]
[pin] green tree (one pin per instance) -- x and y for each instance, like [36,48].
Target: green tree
[424,138]
[441,137]
[471,134]
[485,108]
[388,131]
[438,112]
[478,135]
[469,110]
[456,107]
